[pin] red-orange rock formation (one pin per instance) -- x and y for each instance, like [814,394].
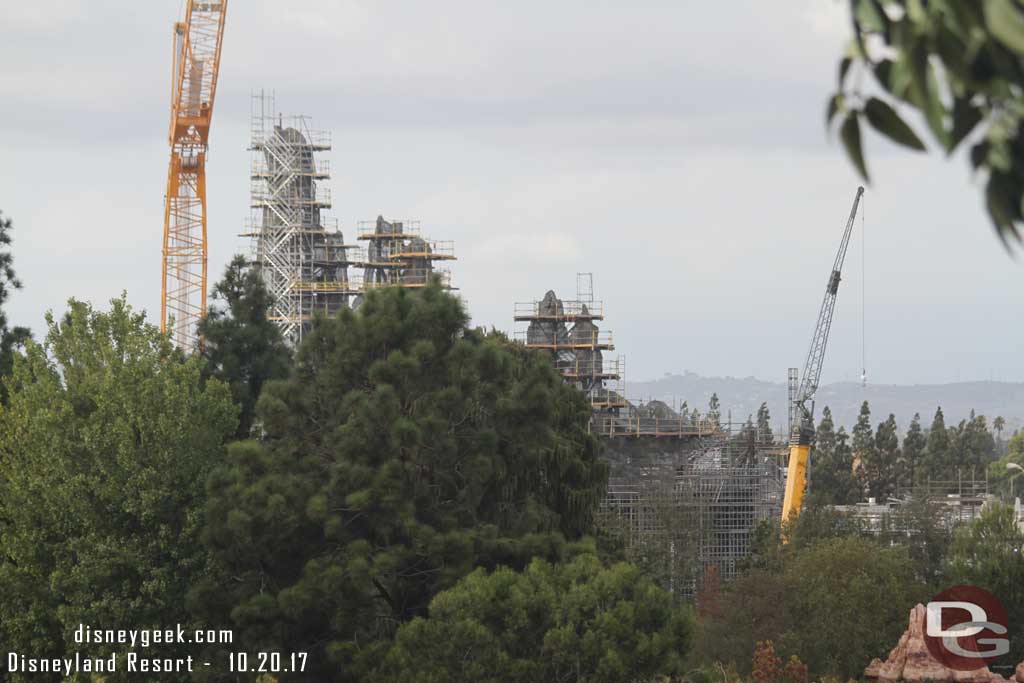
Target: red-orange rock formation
[911,661]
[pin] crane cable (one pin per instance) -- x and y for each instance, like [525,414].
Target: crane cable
[863,298]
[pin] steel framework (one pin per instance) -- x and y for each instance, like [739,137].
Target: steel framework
[695,509]
[568,331]
[195,65]
[304,265]
[397,255]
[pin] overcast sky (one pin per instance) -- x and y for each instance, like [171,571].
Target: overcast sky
[675,149]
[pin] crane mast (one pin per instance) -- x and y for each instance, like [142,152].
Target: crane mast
[802,400]
[195,64]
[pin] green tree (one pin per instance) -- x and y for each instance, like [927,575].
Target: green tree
[576,621]
[797,603]
[919,526]
[989,553]
[936,452]
[880,467]
[864,453]
[999,475]
[832,480]
[999,424]
[714,409]
[977,446]
[403,451]
[241,345]
[914,442]
[956,63]
[10,338]
[105,445]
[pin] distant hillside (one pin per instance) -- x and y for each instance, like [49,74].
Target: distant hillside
[743,396]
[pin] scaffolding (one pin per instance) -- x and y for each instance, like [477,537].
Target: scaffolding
[953,501]
[301,254]
[567,330]
[680,515]
[396,254]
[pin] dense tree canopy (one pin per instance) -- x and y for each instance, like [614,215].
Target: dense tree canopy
[241,345]
[835,604]
[832,478]
[10,338]
[105,445]
[577,621]
[989,552]
[403,451]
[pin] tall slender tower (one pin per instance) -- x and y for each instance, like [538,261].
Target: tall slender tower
[304,264]
[196,62]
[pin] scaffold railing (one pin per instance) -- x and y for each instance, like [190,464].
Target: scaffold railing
[589,367]
[424,249]
[570,311]
[595,340]
[262,196]
[413,278]
[367,230]
[637,426]
[261,170]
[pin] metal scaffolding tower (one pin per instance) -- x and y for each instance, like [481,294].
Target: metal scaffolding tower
[567,329]
[397,255]
[304,264]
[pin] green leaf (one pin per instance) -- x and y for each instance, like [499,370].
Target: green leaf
[886,121]
[924,91]
[965,117]
[1002,198]
[844,67]
[883,74]
[835,103]
[850,134]
[871,17]
[979,153]
[1006,23]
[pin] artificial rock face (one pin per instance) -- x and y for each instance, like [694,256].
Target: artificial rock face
[911,661]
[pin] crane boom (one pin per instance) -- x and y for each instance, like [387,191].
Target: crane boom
[195,65]
[802,410]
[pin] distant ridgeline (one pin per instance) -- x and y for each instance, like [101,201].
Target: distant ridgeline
[742,397]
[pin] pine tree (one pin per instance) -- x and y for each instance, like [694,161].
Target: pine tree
[864,447]
[909,471]
[882,467]
[832,480]
[999,424]
[242,346]
[823,475]
[10,339]
[936,452]
[848,490]
[403,451]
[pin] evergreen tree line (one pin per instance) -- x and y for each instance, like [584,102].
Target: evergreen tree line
[403,497]
[874,462]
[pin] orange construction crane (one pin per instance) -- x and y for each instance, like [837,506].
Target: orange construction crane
[196,61]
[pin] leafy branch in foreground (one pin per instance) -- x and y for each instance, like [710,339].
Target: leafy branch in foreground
[958,64]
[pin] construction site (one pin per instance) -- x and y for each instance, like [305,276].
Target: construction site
[306,264]
[684,491]
[684,487]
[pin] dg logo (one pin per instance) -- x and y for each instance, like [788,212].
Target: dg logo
[966,628]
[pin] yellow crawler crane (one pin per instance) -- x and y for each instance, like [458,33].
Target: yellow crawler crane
[802,399]
[196,61]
